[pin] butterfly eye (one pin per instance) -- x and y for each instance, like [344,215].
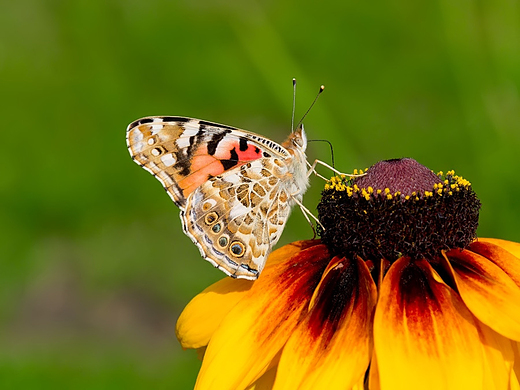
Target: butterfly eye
[223,241]
[210,218]
[237,248]
[216,228]
[298,142]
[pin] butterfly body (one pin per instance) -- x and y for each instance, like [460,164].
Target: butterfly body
[235,189]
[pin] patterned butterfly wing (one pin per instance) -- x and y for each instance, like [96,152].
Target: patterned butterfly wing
[237,217]
[183,153]
[233,187]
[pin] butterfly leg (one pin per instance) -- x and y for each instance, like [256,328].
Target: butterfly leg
[306,212]
[309,221]
[312,169]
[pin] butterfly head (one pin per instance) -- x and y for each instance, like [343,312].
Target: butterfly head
[297,140]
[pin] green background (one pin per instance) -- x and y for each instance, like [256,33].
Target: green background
[95,268]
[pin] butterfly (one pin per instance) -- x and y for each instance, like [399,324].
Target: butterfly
[235,189]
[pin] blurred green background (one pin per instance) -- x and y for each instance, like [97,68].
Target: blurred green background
[95,268]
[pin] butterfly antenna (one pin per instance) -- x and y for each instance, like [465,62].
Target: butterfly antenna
[316,98]
[331,148]
[293,103]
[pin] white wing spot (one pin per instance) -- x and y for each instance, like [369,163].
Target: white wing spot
[137,135]
[155,152]
[238,210]
[234,178]
[183,142]
[190,131]
[156,129]
[151,141]
[136,141]
[168,160]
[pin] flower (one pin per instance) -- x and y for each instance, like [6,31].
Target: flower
[397,294]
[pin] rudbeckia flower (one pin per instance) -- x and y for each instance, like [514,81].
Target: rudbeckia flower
[398,294]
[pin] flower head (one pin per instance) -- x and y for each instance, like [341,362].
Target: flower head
[397,294]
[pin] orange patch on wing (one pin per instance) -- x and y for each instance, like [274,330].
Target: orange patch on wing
[202,167]
[206,164]
[250,153]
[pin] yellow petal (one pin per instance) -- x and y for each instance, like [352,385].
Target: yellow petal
[266,381]
[373,374]
[287,251]
[360,385]
[331,348]
[505,254]
[490,294]
[510,246]
[203,315]
[514,383]
[516,369]
[201,352]
[424,336]
[255,330]
[499,358]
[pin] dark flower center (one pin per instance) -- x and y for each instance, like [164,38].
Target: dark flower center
[398,208]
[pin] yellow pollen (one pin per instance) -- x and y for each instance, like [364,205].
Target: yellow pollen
[450,184]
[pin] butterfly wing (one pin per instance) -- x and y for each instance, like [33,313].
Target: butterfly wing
[237,217]
[183,153]
[233,187]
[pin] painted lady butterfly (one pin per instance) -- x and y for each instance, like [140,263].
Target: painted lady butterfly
[235,188]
